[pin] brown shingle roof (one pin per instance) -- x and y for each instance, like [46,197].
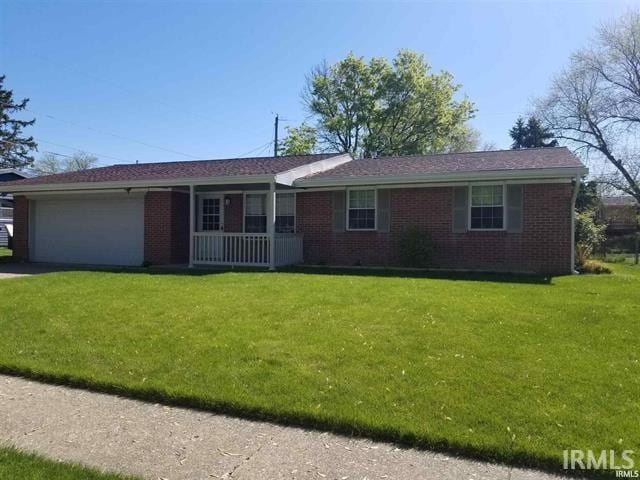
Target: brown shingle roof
[532,158]
[178,170]
[404,167]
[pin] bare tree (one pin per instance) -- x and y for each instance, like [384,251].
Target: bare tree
[50,163]
[595,103]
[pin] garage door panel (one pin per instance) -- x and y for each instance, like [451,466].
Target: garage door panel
[101,231]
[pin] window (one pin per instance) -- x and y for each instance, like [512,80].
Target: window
[361,210]
[210,214]
[255,213]
[285,213]
[487,207]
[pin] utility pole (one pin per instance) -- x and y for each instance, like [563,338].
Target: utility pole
[275,137]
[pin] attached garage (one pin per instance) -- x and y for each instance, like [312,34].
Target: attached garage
[87,229]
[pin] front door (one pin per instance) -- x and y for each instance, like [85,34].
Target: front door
[210,213]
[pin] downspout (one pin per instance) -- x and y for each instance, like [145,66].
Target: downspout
[576,190]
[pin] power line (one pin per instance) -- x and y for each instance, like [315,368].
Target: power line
[261,148]
[111,134]
[129,90]
[115,135]
[86,151]
[38,140]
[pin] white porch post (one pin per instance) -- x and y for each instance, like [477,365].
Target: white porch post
[192,215]
[271,225]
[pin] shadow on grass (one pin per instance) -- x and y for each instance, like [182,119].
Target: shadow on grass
[514,458]
[36,268]
[421,273]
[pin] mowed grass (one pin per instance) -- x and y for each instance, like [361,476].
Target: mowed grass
[502,368]
[5,252]
[16,465]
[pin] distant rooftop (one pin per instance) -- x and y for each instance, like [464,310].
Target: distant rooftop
[619,200]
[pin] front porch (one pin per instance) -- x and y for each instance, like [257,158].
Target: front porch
[243,225]
[246,249]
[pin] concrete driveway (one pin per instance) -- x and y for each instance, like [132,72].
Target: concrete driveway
[16,270]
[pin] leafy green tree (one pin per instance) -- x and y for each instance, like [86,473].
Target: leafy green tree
[299,140]
[381,108]
[589,234]
[530,135]
[467,140]
[14,147]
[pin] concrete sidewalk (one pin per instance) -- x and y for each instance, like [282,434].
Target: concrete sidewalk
[159,442]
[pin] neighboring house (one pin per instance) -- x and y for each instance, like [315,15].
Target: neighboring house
[620,214]
[6,203]
[508,210]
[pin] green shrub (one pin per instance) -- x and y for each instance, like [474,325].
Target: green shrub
[594,266]
[589,235]
[415,248]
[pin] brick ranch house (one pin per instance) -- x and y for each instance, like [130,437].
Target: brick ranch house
[508,210]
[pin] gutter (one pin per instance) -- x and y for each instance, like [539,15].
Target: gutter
[576,190]
[172,182]
[532,173]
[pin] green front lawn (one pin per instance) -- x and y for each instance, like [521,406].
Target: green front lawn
[514,369]
[25,466]
[5,252]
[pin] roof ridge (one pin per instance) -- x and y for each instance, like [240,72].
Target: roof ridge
[232,159]
[464,153]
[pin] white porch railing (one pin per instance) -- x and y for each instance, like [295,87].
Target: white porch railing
[245,249]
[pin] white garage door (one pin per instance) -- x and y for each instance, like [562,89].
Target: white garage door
[106,230]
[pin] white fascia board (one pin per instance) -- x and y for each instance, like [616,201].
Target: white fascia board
[290,176]
[94,192]
[82,196]
[534,173]
[174,182]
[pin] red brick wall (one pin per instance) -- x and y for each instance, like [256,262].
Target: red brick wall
[543,246]
[21,227]
[166,227]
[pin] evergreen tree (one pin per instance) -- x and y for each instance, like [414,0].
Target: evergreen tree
[538,136]
[519,134]
[531,135]
[14,147]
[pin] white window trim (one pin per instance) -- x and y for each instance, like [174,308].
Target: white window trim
[244,208]
[295,212]
[375,213]
[200,198]
[266,192]
[504,206]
